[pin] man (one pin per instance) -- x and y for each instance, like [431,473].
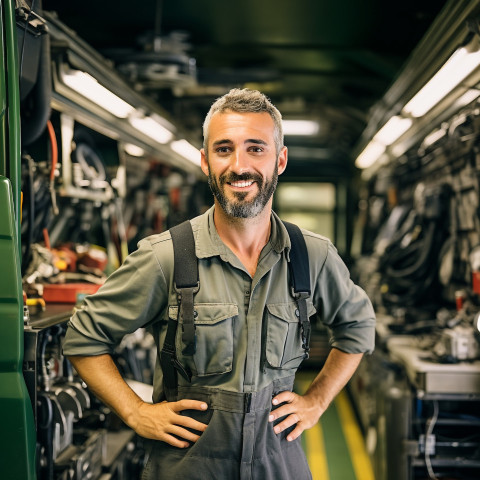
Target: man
[238,416]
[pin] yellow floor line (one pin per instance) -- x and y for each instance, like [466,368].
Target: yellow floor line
[317,459]
[356,446]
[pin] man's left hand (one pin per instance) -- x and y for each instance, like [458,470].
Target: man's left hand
[300,410]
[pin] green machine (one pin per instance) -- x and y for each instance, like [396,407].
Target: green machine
[17,441]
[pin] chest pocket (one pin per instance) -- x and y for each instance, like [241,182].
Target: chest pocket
[283,335]
[214,324]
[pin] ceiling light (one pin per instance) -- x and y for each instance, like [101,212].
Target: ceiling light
[152,128]
[393,129]
[456,69]
[300,127]
[186,150]
[468,97]
[370,154]
[134,150]
[86,85]
[433,137]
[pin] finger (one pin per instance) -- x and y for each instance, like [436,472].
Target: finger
[190,422]
[175,442]
[283,397]
[280,412]
[287,423]
[295,433]
[188,405]
[183,433]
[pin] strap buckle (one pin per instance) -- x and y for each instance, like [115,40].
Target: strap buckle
[186,313]
[301,299]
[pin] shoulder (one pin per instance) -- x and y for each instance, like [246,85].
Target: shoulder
[157,242]
[318,246]
[160,245]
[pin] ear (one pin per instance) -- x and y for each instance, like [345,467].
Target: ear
[282,160]
[204,162]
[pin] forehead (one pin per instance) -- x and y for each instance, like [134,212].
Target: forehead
[237,126]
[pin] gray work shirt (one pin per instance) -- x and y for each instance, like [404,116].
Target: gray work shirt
[246,328]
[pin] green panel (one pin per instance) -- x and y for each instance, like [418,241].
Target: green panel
[18,439]
[17,444]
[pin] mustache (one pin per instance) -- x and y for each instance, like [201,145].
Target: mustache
[234,177]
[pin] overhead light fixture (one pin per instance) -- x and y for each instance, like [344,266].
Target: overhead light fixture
[433,137]
[455,70]
[370,154]
[300,127]
[152,127]
[186,150]
[392,130]
[388,134]
[468,97]
[87,86]
[134,150]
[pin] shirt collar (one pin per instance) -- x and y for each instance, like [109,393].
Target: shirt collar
[209,244]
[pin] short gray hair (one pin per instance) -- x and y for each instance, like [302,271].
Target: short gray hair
[246,101]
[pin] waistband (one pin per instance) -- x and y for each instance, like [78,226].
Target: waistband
[237,402]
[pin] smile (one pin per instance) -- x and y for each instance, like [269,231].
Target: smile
[242,184]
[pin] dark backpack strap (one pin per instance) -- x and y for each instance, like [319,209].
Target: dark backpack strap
[186,284]
[300,275]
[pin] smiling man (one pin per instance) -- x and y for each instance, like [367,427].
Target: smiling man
[231,414]
[250,188]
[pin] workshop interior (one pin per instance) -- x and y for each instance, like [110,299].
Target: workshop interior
[102,105]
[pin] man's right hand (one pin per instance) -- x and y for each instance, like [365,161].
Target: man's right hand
[162,421]
[159,421]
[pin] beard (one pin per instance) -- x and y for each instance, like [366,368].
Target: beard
[239,207]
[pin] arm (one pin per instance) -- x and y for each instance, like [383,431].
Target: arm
[159,421]
[305,411]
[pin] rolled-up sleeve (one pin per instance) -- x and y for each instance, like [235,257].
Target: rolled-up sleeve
[132,297]
[343,306]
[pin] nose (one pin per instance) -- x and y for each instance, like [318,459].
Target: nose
[240,162]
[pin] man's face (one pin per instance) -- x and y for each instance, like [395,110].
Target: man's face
[242,165]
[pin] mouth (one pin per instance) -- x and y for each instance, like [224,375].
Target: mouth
[241,184]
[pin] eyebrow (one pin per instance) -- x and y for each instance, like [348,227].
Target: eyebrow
[257,141]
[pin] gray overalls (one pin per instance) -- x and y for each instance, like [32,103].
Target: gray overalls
[248,345]
[239,441]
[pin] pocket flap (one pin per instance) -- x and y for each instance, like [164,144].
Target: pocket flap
[208,313]
[289,311]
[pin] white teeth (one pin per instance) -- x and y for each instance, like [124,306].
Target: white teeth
[241,184]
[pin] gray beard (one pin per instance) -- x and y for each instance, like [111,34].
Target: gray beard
[241,208]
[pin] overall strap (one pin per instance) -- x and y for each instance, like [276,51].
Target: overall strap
[186,280]
[186,284]
[300,274]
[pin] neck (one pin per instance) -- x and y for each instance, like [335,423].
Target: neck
[246,237]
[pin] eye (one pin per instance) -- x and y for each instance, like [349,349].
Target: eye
[223,149]
[256,149]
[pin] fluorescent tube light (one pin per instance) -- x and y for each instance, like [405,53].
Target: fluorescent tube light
[468,97]
[393,129]
[300,127]
[152,128]
[456,69]
[433,137]
[134,150]
[86,85]
[186,150]
[370,154]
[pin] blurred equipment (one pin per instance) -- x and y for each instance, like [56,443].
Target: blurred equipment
[77,436]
